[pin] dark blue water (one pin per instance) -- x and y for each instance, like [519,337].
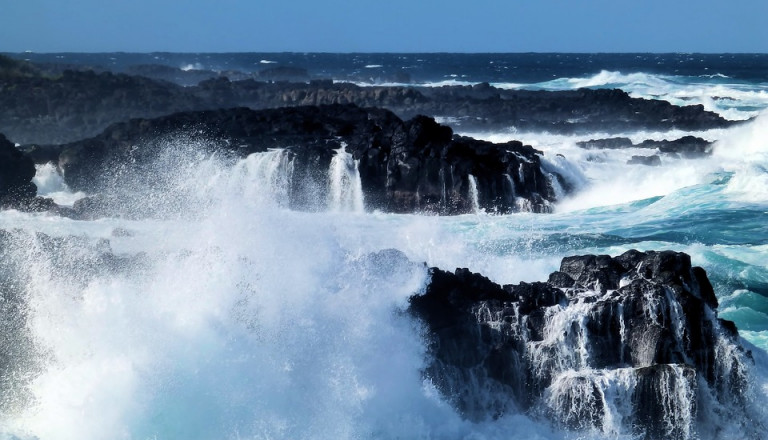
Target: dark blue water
[425,68]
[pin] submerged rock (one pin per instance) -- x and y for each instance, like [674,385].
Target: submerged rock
[652,161]
[639,328]
[605,144]
[687,147]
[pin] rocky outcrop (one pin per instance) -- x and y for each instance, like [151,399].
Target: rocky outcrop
[77,104]
[16,174]
[404,166]
[183,77]
[688,147]
[613,143]
[486,107]
[652,161]
[642,327]
[17,191]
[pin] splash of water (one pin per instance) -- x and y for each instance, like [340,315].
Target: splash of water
[346,188]
[474,196]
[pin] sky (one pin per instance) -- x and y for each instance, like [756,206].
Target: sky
[384,26]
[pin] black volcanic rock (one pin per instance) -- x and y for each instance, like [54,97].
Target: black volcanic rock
[80,104]
[16,174]
[41,154]
[652,161]
[483,106]
[17,191]
[609,143]
[643,324]
[76,105]
[404,166]
[688,147]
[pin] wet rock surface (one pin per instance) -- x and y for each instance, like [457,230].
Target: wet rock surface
[416,165]
[642,324]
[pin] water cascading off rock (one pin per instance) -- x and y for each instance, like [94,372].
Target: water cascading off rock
[629,345]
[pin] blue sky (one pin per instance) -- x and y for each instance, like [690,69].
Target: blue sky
[384,26]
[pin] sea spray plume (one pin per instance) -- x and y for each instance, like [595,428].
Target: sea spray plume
[151,176]
[743,155]
[346,189]
[184,174]
[30,261]
[613,346]
[201,336]
[19,358]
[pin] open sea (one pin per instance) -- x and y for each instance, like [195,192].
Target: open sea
[246,320]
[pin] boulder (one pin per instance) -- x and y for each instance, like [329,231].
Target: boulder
[642,325]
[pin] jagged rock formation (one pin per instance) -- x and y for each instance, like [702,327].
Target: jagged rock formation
[639,328]
[16,174]
[404,166]
[689,147]
[77,105]
[481,106]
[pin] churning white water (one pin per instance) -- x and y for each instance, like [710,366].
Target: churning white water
[247,323]
[246,320]
[50,183]
[264,177]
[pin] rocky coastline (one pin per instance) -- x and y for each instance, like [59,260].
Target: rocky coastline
[405,166]
[73,105]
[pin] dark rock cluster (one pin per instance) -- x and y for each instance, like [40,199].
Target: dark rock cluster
[16,174]
[416,165]
[686,147]
[80,104]
[642,323]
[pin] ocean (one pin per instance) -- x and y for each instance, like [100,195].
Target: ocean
[238,318]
